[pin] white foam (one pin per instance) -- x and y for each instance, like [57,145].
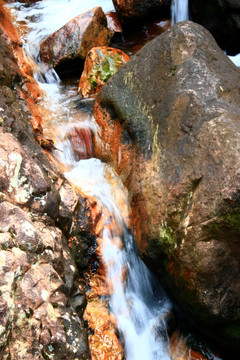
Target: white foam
[235,59]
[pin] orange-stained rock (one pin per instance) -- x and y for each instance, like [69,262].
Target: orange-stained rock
[104,343]
[113,22]
[178,347]
[195,355]
[29,91]
[100,64]
[77,37]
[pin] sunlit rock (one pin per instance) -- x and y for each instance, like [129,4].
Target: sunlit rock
[103,340]
[100,64]
[77,37]
[14,68]
[35,287]
[23,180]
[170,123]
[113,22]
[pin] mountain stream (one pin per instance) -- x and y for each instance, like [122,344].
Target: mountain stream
[139,309]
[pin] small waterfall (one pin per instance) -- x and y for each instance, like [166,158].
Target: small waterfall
[179,11]
[140,308]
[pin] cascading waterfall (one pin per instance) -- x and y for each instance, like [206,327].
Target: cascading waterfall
[139,308]
[179,11]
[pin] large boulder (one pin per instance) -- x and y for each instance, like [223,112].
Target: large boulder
[77,37]
[222,19]
[170,123]
[138,10]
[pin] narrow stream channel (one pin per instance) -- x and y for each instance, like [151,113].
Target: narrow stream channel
[138,308]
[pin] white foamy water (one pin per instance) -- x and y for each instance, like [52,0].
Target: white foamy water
[139,307]
[179,11]
[235,59]
[45,17]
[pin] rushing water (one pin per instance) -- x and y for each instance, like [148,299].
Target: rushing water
[179,11]
[138,307]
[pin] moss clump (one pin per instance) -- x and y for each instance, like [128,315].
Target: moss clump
[233,220]
[104,69]
[166,237]
[172,70]
[93,83]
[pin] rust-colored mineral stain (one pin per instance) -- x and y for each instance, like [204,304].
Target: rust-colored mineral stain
[104,343]
[195,355]
[111,133]
[113,21]
[30,91]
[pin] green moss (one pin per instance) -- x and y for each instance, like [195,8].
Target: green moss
[227,222]
[106,72]
[104,68]
[173,70]
[47,356]
[166,238]
[93,83]
[233,220]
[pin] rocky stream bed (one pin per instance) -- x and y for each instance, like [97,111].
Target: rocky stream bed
[166,107]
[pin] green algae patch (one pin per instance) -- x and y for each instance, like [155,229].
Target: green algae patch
[100,65]
[166,237]
[233,220]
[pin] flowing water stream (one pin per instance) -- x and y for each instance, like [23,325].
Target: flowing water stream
[138,307]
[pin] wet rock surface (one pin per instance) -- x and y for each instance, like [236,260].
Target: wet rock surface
[113,22]
[16,72]
[100,64]
[138,10]
[172,132]
[77,37]
[222,19]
